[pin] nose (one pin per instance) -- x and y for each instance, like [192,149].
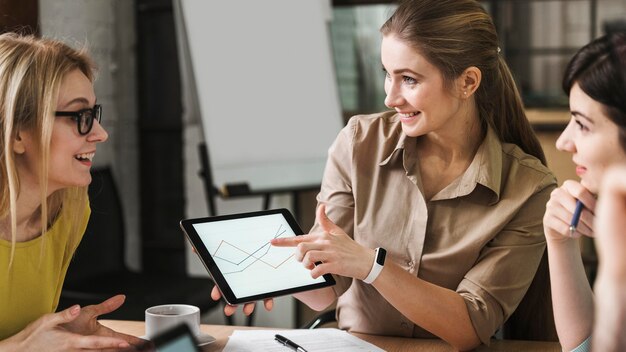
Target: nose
[565,142]
[97,134]
[394,97]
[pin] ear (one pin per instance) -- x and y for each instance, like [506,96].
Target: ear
[18,144]
[469,81]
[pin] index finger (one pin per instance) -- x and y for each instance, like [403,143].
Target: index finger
[579,192]
[290,241]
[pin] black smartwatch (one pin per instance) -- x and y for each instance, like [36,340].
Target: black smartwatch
[377,267]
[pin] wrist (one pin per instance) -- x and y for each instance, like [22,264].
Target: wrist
[561,242]
[377,265]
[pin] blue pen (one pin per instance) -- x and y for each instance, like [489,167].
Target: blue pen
[575,217]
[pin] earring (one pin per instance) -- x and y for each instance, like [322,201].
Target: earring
[465,92]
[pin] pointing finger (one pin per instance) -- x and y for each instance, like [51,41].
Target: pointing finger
[290,241]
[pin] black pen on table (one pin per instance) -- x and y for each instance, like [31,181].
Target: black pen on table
[288,343]
[576,217]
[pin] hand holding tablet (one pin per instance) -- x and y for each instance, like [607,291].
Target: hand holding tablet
[236,251]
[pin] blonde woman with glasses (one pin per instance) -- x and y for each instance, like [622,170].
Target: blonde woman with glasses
[49,131]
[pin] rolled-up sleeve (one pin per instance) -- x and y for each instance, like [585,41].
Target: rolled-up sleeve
[336,191]
[498,281]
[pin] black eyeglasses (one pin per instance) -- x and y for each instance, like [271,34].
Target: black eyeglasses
[84,118]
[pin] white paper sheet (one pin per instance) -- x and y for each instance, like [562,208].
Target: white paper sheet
[315,340]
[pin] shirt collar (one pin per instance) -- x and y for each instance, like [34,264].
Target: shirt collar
[398,148]
[485,169]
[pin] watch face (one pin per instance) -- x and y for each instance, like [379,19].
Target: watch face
[380,257]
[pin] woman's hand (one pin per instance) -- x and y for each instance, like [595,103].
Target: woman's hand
[87,321]
[560,209]
[49,333]
[248,308]
[336,252]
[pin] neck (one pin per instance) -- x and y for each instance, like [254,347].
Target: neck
[452,144]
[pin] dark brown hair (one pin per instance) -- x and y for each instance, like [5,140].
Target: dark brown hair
[599,68]
[454,35]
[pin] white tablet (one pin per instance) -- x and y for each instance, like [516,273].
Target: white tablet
[236,251]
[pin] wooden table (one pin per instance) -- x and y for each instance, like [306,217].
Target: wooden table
[392,344]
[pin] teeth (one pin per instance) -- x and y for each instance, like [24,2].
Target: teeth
[85,156]
[409,114]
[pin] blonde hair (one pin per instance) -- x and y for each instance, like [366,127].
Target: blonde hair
[454,35]
[31,72]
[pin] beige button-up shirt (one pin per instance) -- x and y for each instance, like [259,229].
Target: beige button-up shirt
[481,236]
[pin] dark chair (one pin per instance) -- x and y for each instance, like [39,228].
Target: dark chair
[98,270]
[321,319]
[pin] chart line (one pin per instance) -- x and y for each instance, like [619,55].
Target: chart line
[249,255]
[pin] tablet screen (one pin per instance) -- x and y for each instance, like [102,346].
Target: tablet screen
[237,252]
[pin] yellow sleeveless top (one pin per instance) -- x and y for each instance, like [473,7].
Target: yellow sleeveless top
[32,287]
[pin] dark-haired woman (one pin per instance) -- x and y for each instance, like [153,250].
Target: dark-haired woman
[596,138]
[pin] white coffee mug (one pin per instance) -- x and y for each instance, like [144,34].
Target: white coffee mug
[161,318]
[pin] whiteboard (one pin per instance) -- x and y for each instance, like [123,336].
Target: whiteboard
[266,87]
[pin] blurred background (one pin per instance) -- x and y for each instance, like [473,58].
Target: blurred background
[155,129]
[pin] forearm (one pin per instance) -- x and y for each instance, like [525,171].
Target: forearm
[572,297]
[610,314]
[12,343]
[317,299]
[439,310]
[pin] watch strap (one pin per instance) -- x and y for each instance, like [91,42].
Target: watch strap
[377,267]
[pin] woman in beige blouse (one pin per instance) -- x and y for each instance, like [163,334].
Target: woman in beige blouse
[450,183]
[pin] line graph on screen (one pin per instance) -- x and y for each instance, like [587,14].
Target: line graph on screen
[238,260]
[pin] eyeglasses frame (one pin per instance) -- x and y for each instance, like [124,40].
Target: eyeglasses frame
[96,113]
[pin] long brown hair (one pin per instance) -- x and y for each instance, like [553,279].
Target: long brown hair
[454,35]
[31,73]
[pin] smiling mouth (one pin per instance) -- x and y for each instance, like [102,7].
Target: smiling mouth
[408,115]
[84,156]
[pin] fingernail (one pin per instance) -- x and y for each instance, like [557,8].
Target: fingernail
[75,310]
[123,345]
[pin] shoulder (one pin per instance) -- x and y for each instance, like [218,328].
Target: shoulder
[379,125]
[380,131]
[518,165]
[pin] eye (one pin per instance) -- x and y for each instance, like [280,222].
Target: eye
[409,80]
[581,126]
[387,75]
